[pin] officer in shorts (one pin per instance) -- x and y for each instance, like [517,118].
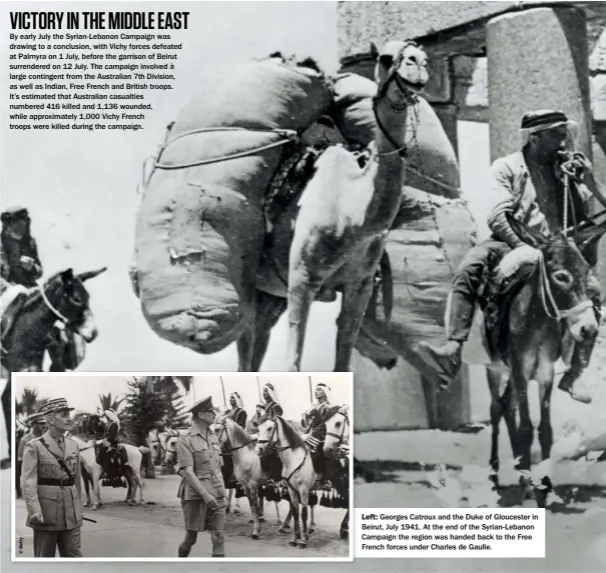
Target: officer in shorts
[202,490]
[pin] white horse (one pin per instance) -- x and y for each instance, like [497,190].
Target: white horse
[247,466]
[298,471]
[134,456]
[337,438]
[336,447]
[170,439]
[157,446]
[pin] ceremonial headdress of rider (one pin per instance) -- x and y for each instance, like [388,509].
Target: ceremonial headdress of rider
[272,392]
[544,119]
[111,415]
[326,389]
[55,405]
[237,398]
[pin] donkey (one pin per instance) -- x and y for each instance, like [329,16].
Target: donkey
[298,471]
[62,300]
[554,297]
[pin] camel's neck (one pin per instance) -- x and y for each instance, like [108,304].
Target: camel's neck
[389,176]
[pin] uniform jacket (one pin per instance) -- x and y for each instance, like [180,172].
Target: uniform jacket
[60,506]
[238,415]
[12,250]
[201,450]
[28,437]
[314,418]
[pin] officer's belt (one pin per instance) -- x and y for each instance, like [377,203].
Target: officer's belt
[207,476]
[58,482]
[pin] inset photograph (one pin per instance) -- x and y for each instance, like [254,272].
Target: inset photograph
[146,467]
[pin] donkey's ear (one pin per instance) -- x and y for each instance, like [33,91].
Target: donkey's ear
[530,236]
[91,274]
[67,276]
[589,235]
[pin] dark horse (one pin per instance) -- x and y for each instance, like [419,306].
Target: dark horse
[552,299]
[63,300]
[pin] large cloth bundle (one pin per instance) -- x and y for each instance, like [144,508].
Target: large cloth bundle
[200,227]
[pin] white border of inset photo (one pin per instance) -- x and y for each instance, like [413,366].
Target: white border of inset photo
[17,376]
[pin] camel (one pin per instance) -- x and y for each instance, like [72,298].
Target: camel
[344,217]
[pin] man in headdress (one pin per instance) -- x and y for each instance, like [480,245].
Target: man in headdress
[202,491]
[314,425]
[237,412]
[20,263]
[272,404]
[117,454]
[529,186]
[37,425]
[51,485]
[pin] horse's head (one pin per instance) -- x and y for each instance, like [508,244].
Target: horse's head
[67,297]
[172,437]
[566,276]
[268,435]
[337,429]
[404,65]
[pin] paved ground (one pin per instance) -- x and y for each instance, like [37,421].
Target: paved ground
[124,531]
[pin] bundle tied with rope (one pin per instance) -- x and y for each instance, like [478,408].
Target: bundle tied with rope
[201,223]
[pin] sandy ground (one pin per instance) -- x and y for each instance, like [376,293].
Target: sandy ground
[155,528]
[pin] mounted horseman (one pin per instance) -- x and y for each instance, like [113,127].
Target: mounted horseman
[530,187]
[314,426]
[238,414]
[111,455]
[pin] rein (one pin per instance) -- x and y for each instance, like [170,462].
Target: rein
[346,419]
[230,448]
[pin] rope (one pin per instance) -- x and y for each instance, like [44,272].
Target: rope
[287,134]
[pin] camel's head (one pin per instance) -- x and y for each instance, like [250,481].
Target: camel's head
[403,63]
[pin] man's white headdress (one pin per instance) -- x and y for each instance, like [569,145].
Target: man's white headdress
[237,399]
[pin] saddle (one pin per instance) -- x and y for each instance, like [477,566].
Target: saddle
[114,460]
[491,318]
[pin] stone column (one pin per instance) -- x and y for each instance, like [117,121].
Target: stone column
[537,59]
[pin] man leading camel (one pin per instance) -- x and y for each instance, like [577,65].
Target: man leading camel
[527,185]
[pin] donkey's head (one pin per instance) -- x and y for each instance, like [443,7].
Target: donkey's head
[69,300]
[566,276]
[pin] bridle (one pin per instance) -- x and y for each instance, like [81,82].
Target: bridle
[272,441]
[411,98]
[62,321]
[548,299]
[230,448]
[345,423]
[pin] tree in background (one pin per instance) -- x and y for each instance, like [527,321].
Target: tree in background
[107,402]
[29,403]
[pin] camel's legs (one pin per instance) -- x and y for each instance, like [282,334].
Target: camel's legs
[252,344]
[301,294]
[355,302]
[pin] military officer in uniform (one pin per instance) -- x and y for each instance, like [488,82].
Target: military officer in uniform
[37,423]
[202,490]
[50,481]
